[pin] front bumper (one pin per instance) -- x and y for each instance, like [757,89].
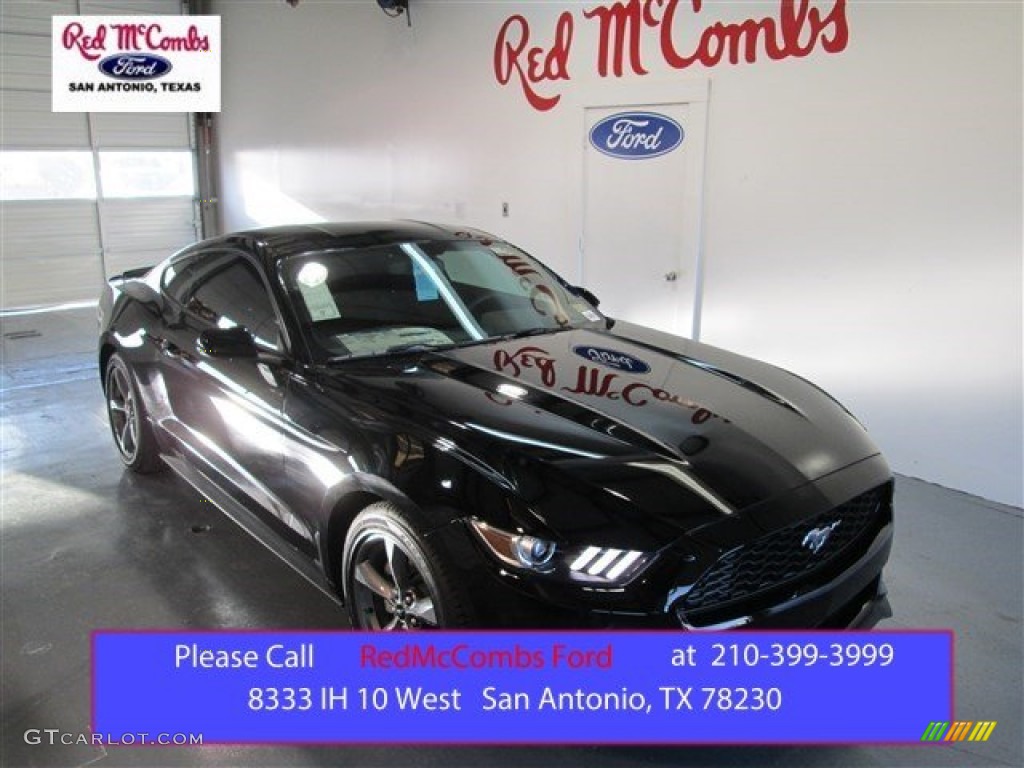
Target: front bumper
[708,582]
[856,598]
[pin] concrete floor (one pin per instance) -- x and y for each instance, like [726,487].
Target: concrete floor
[86,545]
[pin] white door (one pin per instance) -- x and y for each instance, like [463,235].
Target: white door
[641,211]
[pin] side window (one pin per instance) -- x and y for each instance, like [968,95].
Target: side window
[181,275]
[234,296]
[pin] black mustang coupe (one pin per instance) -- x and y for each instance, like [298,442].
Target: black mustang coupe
[441,432]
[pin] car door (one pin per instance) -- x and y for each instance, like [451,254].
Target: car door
[187,413]
[229,408]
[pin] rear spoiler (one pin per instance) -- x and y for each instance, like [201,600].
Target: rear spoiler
[126,283]
[129,274]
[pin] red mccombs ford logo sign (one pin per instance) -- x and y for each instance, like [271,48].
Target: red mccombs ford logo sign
[136,63]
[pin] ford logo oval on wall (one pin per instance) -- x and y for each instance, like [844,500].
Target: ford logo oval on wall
[609,358]
[135,66]
[636,135]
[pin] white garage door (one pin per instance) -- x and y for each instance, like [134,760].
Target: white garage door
[82,196]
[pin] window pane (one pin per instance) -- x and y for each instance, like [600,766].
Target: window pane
[146,174]
[183,273]
[235,296]
[46,176]
[475,268]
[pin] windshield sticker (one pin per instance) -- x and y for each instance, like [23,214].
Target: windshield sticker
[378,342]
[426,289]
[319,301]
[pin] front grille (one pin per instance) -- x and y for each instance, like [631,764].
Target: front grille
[782,558]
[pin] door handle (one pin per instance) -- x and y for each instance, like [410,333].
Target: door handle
[671,277]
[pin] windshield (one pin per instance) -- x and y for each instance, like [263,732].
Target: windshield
[360,302]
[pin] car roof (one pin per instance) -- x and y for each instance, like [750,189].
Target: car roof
[276,243]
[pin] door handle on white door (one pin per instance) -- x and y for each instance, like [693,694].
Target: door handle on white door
[671,277]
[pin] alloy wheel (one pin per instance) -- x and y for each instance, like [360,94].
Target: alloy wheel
[389,591]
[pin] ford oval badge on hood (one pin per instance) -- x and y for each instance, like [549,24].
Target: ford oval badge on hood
[610,358]
[636,135]
[135,66]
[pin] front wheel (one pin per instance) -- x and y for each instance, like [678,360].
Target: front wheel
[394,579]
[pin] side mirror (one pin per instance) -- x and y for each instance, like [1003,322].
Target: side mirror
[586,295]
[226,342]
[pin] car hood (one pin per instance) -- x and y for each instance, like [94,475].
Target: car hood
[626,434]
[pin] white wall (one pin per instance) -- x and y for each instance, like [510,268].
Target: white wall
[863,208]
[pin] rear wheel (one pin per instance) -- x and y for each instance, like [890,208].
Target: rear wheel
[396,580]
[133,434]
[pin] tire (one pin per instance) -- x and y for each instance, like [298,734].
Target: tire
[129,423]
[381,541]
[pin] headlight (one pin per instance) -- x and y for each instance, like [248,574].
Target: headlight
[533,552]
[516,549]
[587,564]
[607,564]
